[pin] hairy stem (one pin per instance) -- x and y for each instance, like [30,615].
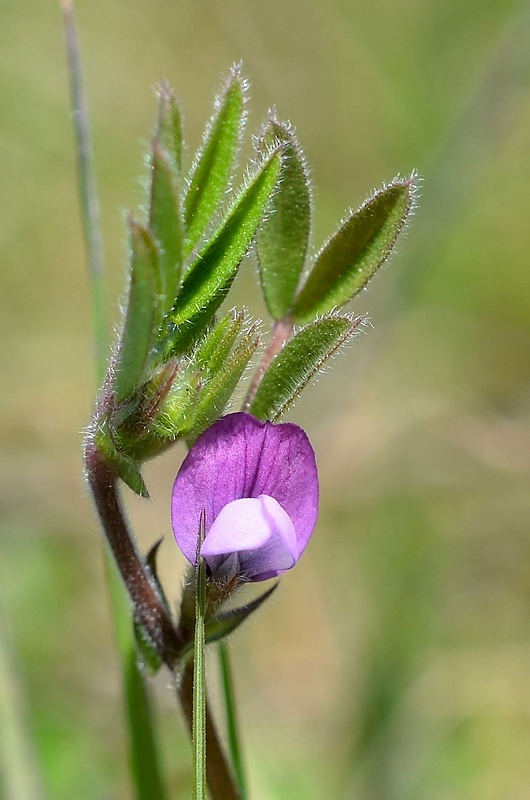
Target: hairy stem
[148,606]
[283,330]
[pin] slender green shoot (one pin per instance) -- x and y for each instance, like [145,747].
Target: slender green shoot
[144,749]
[87,192]
[199,678]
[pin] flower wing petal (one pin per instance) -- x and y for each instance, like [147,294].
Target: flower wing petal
[259,531]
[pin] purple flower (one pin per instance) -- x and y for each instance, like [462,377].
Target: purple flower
[257,484]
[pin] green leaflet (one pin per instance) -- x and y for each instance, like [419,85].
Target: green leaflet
[356,251]
[165,222]
[218,342]
[210,276]
[143,315]
[168,133]
[214,161]
[283,237]
[299,361]
[218,391]
[124,466]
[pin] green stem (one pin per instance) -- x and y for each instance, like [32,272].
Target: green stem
[199,678]
[88,195]
[145,761]
[220,781]
[282,332]
[234,739]
[143,751]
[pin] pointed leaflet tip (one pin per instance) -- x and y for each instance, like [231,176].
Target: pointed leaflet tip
[213,164]
[283,237]
[168,133]
[356,251]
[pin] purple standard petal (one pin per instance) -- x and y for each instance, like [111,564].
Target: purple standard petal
[240,457]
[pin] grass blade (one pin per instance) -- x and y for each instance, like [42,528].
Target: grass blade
[146,770]
[199,678]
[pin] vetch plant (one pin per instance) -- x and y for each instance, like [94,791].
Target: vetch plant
[245,500]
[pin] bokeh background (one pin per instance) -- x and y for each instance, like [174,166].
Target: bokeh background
[394,662]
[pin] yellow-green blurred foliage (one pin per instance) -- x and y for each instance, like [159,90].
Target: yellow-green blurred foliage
[394,663]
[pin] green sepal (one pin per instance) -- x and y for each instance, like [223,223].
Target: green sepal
[148,652]
[218,341]
[142,316]
[168,132]
[145,426]
[214,162]
[226,622]
[298,362]
[356,251]
[210,276]
[223,623]
[177,412]
[283,238]
[123,465]
[220,388]
[152,566]
[165,222]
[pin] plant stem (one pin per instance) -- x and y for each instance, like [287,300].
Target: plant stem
[148,606]
[152,614]
[282,332]
[220,781]
[88,195]
[198,734]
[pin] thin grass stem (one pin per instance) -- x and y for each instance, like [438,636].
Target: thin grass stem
[144,752]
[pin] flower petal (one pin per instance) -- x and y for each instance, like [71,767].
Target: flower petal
[259,531]
[241,457]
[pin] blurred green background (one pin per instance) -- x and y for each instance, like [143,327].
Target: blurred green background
[394,662]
